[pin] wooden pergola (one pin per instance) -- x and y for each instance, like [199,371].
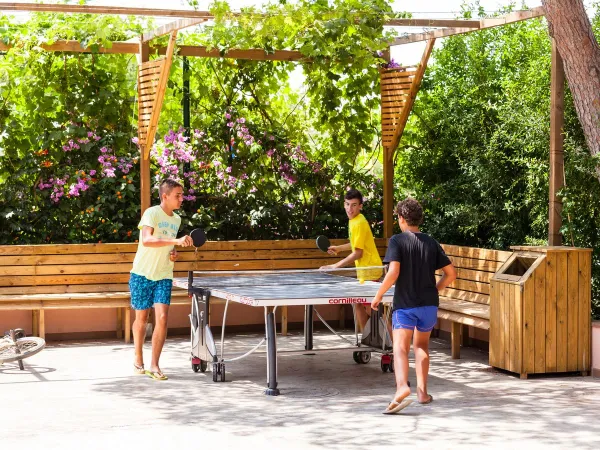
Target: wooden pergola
[399,88]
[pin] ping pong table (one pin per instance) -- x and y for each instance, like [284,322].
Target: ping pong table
[269,290]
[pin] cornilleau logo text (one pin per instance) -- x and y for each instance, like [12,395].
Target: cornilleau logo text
[347,300]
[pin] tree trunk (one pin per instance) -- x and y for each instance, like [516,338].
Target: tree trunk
[570,26]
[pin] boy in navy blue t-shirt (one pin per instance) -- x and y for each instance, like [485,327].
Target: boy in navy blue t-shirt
[413,259]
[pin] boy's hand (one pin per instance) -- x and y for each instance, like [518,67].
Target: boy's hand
[333,250]
[375,303]
[173,255]
[185,241]
[330,266]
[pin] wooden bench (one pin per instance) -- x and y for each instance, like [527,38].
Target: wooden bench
[466,302]
[75,276]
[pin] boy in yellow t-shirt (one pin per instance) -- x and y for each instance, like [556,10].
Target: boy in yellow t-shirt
[152,273]
[364,252]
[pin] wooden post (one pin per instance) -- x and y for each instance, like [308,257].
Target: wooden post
[455,339]
[119,323]
[557,118]
[42,324]
[284,320]
[35,322]
[127,325]
[388,192]
[145,187]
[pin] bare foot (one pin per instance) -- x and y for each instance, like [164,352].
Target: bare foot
[401,393]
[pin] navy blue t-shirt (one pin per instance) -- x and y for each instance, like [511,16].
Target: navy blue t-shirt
[419,256]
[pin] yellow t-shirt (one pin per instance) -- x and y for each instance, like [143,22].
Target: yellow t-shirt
[361,237]
[154,263]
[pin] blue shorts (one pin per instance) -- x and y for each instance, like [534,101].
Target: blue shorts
[423,318]
[145,293]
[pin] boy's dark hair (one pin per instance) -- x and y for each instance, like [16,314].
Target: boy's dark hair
[352,194]
[167,185]
[411,211]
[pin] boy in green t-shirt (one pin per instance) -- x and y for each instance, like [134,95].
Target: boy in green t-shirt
[152,273]
[364,251]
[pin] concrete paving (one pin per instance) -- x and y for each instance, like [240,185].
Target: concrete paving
[84,395]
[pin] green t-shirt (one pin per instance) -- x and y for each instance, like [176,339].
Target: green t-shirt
[154,263]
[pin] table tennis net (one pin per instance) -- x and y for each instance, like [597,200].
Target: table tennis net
[293,277]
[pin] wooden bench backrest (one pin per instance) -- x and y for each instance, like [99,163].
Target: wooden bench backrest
[73,268]
[475,267]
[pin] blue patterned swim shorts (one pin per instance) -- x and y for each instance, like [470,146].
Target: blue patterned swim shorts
[145,293]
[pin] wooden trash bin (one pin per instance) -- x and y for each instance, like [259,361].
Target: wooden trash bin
[540,311]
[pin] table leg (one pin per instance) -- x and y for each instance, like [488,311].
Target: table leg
[271,353]
[308,327]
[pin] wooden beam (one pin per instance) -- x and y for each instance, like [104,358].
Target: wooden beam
[557,118]
[145,187]
[170,27]
[517,16]
[132,48]
[160,95]
[252,54]
[433,23]
[414,90]
[187,13]
[90,9]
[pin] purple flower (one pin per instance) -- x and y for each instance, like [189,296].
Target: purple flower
[228,170]
[227,116]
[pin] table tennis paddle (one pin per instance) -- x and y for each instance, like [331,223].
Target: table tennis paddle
[198,236]
[323,243]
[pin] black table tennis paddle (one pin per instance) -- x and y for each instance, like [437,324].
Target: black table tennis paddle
[198,236]
[323,243]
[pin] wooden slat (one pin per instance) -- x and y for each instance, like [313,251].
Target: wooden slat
[494,325]
[170,27]
[528,305]
[466,296]
[60,289]
[561,313]
[506,322]
[551,358]
[476,253]
[511,329]
[517,326]
[539,276]
[584,348]
[470,286]
[572,281]
[452,316]
[464,307]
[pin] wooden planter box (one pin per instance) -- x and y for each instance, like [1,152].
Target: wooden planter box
[540,312]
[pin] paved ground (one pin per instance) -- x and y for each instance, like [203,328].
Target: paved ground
[83,395]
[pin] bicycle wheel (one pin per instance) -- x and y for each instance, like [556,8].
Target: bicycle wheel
[28,346]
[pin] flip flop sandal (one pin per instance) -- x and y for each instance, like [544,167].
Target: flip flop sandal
[158,375]
[397,407]
[428,401]
[139,370]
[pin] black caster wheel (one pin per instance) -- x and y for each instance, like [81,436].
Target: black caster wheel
[392,365]
[215,373]
[355,357]
[384,367]
[201,367]
[222,373]
[364,357]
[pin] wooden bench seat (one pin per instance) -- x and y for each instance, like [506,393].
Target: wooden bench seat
[466,302]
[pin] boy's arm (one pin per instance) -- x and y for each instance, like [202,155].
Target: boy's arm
[148,240]
[386,284]
[356,254]
[335,249]
[448,277]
